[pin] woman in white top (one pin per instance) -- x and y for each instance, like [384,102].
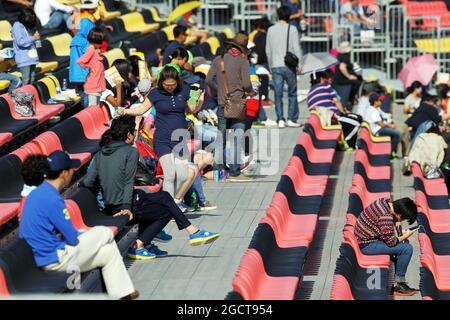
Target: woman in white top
[412,101]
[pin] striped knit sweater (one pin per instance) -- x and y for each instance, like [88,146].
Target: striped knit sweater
[375,223]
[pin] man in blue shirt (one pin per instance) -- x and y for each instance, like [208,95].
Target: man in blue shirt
[296,12]
[57,246]
[180,36]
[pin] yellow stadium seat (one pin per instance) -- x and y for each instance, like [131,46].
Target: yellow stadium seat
[214,43]
[431,45]
[50,84]
[61,44]
[113,55]
[4,84]
[46,67]
[107,15]
[5,31]
[375,138]
[229,33]
[156,15]
[70,2]
[169,31]
[134,22]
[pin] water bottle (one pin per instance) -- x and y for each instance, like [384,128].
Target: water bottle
[216,175]
[64,86]
[38,44]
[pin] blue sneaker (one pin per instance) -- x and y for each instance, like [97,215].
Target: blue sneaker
[162,236]
[153,248]
[203,237]
[183,207]
[140,254]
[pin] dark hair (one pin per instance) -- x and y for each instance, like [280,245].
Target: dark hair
[124,68]
[443,90]
[179,53]
[134,63]
[28,18]
[168,72]
[34,169]
[406,208]
[326,74]
[430,98]
[415,85]
[96,35]
[120,127]
[179,30]
[284,13]
[434,129]
[53,175]
[263,23]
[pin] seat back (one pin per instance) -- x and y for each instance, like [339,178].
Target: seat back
[5,31]
[113,55]
[61,44]
[12,181]
[48,142]
[214,44]
[27,149]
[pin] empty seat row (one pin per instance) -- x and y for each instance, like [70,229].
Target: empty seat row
[370,182]
[434,235]
[272,266]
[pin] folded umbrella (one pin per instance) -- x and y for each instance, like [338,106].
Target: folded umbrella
[420,68]
[316,62]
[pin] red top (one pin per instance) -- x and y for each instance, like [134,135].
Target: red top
[95,81]
[375,223]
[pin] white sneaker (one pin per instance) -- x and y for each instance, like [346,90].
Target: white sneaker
[269,123]
[292,124]
[281,124]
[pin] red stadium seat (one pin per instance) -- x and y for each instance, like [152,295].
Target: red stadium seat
[323,133]
[4,292]
[433,187]
[8,211]
[297,163]
[252,282]
[438,265]
[365,261]
[92,122]
[26,150]
[375,148]
[5,138]
[373,173]
[315,155]
[77,218]
[439,220]
[303,186]
[340,289]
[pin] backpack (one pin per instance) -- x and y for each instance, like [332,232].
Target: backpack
[23,103]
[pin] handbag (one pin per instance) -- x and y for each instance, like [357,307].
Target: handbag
[23,103]
[252,108]
[290,60]
[234,107]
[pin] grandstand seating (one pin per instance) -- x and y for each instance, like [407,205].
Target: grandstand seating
[272,266]
[369,183]
[434,235]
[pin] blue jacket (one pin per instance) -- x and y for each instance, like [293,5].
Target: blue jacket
[44,215]
[78,47]
[24,46]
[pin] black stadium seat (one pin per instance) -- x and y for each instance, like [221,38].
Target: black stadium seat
[71,128]
[12,182]
[11,125]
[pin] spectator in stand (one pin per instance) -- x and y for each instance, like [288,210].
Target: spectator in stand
[170,100]
[352,15]
[346,82]
[378,125]
[24,42]
[47,228]
[428,114]
[376,233]
[413,99]
[187,21]
[260,39]
[16,5]
[95,83]
[276,51]
[15,81]
[53,14]
[79,46]
[180,36]
[296,12]
[115,167]
[322,94]
[115,97]
[236,67]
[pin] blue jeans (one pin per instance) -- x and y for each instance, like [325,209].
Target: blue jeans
[198,186]
[424,127]
[28,74]
[262,116]
[394,134]
[236,127]
[206,133]
[15,81]
[57,18]
[403,252]
[279,76]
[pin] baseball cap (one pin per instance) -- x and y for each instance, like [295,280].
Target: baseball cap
[144,85]
[375,97]
[60,160]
